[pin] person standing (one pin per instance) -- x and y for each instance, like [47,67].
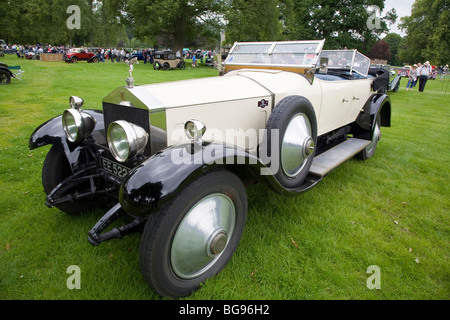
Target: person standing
[412,78]
[424,72]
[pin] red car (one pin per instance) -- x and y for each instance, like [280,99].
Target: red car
[80,54]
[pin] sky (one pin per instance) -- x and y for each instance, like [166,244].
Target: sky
[403,8]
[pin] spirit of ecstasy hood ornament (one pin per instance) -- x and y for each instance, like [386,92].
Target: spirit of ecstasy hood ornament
[130,79]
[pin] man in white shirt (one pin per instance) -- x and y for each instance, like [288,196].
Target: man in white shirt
[423,73]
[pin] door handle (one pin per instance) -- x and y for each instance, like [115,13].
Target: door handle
[344,100]
[355,98]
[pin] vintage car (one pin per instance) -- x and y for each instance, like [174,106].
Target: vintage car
[5,74]
[176,161]
[166,60]
[80,54]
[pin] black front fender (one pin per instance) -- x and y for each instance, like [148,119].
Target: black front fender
[52,133]
[160,178]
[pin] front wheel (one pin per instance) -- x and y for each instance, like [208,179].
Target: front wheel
[56,169]
[192,238]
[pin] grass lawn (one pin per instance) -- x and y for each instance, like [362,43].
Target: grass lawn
[391,211]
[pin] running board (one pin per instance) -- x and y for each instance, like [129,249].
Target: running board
[329,160]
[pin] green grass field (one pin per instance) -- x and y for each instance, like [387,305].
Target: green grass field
[391,211]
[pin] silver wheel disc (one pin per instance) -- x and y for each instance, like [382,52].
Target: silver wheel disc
[376,137]
[297,145]
[203,235]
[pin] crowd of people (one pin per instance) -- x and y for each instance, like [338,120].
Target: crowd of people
[107,54]
[421,73]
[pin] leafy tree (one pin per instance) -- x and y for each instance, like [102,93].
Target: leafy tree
[394,40]
[174,23]
[253,20]
[343,23]
[380,51]
[428,32]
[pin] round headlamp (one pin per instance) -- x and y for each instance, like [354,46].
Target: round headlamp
[78,125]
[126,140]
[194,129]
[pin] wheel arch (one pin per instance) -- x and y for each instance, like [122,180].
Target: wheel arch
[159,179]
[51,132]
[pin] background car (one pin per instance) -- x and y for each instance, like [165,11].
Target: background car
[5,74]
[80,54]
[165,60]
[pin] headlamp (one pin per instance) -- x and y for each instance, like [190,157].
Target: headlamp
[126,140]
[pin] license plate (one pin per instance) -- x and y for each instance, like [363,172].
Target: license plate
[116,169]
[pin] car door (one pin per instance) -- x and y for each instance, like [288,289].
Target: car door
[337,100]
[361,93]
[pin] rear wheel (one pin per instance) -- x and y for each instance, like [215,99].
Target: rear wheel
[294,120]
[192,238]
[369,151]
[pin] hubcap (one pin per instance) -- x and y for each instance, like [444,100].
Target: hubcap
[297,145]
[375,138]
[202,236]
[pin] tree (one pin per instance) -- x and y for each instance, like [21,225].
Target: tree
[428,32]
[343,23]
[380,51]
[394,40]
[253,20]
[174,22]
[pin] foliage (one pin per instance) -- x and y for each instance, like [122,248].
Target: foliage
[380,51]
[45,22]
[253,20]
[342,23]
[394,40]
[428,33]
[175,23]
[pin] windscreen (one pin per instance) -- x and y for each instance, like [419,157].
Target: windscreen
[288,53]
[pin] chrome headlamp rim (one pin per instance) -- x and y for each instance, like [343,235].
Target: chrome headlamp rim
[81,127]
[136,139]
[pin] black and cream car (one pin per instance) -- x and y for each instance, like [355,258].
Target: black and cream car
[177,161]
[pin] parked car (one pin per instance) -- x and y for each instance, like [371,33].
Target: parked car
[30,55]
[166,60]
[177,160]
[139,54]
[5,74]
[404,72]
[80,54]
